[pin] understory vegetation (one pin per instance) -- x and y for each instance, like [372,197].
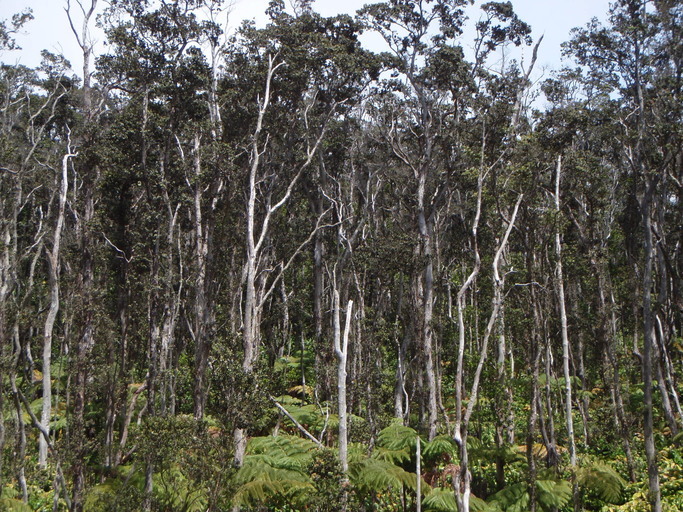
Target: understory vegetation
[275,270]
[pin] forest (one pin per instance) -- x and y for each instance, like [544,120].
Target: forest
[275,270]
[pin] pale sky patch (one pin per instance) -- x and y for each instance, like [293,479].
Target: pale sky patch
[50,29]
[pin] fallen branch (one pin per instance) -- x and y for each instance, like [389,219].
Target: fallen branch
[296,423]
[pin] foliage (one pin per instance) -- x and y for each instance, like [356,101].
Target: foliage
[221,188]
[601,479]
[275,470]
[551,494]
[14,505]
[443,500]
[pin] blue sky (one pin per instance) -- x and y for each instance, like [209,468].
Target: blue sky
[552,18]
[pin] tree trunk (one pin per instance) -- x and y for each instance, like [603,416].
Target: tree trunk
[534,359]
[648,347]
[202,309]
[341,352]
[565,340]
[53,272]
[463,500]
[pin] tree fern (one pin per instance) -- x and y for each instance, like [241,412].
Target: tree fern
[174,491]
[392,456]
[513,498]
[375,475]
[357,452]
[396,444]
[261,491]
[282,445]
[480,451]
[264,467]
[397,437]
[443,500]
[602,479]
[440,445]
[312,416]
[551,494]
[275,468]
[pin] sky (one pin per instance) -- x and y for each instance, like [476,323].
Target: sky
[551,18]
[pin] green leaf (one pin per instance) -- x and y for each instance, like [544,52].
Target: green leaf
[440,500]
[550,494]
[602,479]
[440,445]
[13,505]
[553,494]
[443,500]
[378,475]
[513,498]
[397,437]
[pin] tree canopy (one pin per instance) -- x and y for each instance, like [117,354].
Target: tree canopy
[276,270]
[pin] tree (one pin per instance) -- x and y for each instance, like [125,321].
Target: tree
[627,55]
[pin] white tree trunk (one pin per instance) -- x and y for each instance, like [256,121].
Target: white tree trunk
[341,351]
[565,337]
[53,268]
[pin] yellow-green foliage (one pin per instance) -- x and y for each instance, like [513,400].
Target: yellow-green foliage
[443,500]
[274,468]
[13,505]
[550,494]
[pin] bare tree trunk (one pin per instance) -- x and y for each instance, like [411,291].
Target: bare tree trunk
[610,323]
[321,363]
[553,457]
[665,383]
[53,272]
[202,308]
[565,340]
[418,472]
[86,277]
[424,297]
[463,500]
[341,352]
[254,241]
[535,359]
[503,401]
[648,348]
[20,444]
[460,432]
[6,275]
[400,395]
[255,244]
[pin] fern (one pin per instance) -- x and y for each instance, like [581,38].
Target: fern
[443,500]
[551,494]
[312,416]
[269,469]
[261,491]
[174,491]
[105,496]
[275,467]
[479,451]
[440,445]
[440,500]
[392,456]
[514,498]
[602,479]
[397,437]
[396,444]
[375,475]
[357,452]
[284,445]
